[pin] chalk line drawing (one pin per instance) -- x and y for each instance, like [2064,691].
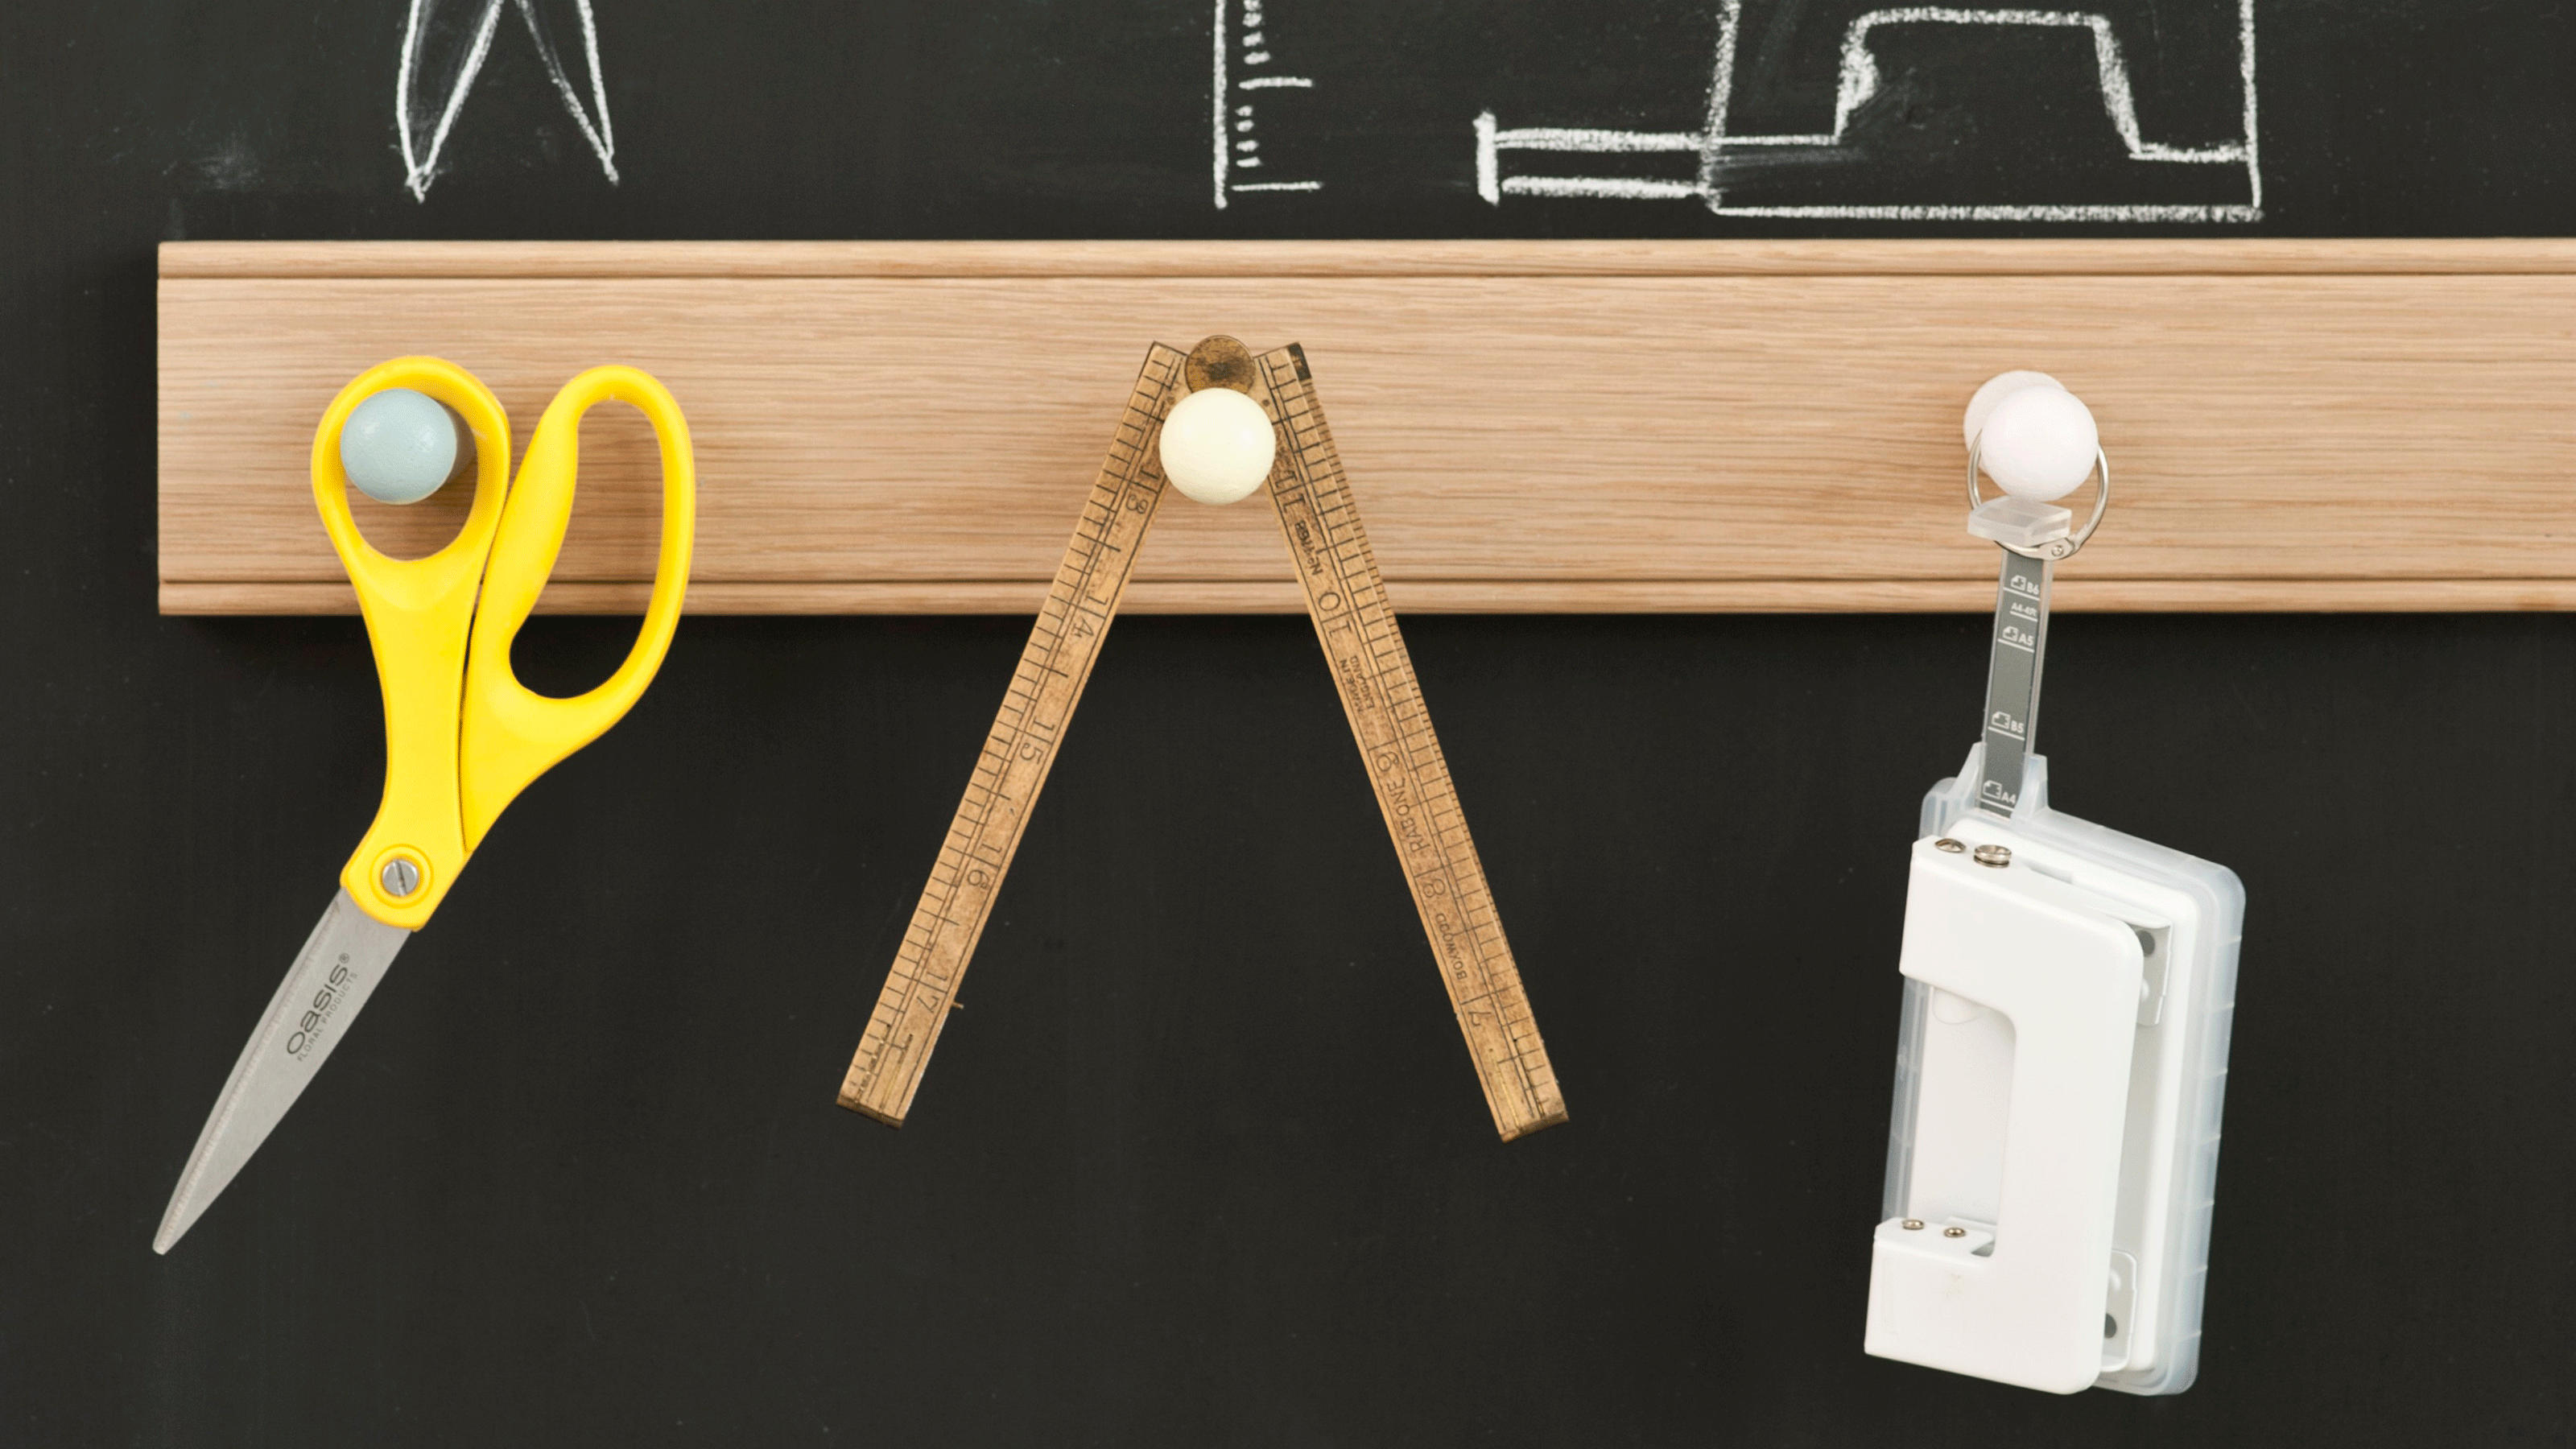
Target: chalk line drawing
[1232,118]
[420,164]
[1858,81]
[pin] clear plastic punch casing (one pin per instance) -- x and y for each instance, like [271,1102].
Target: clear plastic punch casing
[2053,1150]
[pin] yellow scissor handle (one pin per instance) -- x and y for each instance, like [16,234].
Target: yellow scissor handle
[511,733]
[418,612]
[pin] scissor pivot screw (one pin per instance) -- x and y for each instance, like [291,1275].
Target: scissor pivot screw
[399,877]
[1946,843]
[1912,1225]
[1997,856]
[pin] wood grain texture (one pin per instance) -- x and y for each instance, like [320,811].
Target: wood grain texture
[1530,426]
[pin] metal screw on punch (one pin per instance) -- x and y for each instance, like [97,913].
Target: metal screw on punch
[2035,534]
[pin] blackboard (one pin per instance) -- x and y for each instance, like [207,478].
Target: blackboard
[578,1178]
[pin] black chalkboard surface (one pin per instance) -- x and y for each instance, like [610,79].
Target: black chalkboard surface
[578,1179]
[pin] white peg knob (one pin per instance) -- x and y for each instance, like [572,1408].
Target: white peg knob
[1218,445]
[2032,436]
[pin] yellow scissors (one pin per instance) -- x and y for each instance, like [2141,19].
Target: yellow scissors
[462,736]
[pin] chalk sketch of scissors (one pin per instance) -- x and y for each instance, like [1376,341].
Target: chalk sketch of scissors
[462,735]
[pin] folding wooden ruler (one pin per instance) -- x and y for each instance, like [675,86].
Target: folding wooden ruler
[1383,699]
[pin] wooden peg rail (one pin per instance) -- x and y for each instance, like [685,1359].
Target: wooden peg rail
[1540,426]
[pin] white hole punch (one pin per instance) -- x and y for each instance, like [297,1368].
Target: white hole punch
[2068,993]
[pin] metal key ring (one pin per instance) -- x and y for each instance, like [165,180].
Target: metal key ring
[2063,548]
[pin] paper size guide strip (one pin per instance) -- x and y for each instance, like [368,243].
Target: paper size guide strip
[1347,599]
[2012,681]
[1062,647]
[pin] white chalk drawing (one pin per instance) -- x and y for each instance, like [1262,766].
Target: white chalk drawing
[1857,82]
[1234,119]
[415,112]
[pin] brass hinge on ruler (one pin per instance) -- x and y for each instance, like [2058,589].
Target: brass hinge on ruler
[1356,625]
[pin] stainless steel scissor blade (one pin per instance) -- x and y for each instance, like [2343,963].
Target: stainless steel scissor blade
[347,954]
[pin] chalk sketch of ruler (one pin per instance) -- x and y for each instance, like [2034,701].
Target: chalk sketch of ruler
[1347,599]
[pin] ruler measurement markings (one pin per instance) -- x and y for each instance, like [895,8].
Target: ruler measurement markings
[1478,928]
[1381,696]
[1019,750]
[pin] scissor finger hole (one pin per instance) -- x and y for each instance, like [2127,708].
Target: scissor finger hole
[606,566]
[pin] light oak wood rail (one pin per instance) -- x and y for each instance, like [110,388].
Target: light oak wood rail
[1531,426]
